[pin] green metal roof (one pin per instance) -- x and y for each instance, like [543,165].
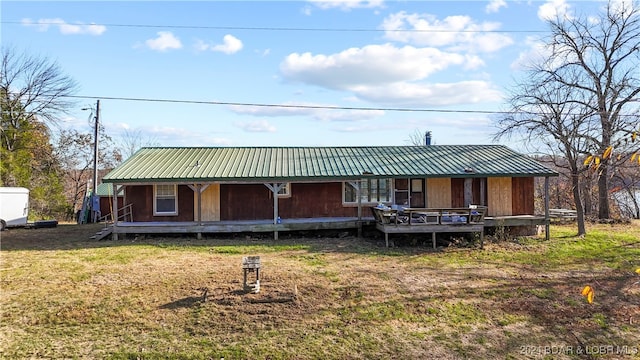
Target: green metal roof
[105,190]
[253,164]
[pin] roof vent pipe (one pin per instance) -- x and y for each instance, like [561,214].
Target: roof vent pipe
[427,138]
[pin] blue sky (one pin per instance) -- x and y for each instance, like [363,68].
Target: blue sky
[344,54]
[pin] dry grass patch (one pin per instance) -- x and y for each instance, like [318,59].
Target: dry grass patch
[64,296]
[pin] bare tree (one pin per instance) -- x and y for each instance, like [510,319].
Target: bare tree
[33,86]
[132,141]
[598,59]
[74,150]
[418,138]
[545,116]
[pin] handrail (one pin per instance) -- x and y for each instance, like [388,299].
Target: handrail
[127,212]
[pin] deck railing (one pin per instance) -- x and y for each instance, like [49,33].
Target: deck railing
[429,216]
[125,213]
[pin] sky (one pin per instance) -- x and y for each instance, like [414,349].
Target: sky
[288,73]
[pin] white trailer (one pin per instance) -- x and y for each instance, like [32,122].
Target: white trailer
[14,206]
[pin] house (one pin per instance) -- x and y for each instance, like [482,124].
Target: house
[226,189]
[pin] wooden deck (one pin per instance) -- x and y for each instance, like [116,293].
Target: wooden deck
[302,224]
[429,220]
[416,225]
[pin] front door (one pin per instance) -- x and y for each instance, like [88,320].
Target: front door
[417,193]
[210,203]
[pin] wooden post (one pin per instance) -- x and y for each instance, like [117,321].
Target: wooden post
[359,208]
[114,211]
[546,208]
[275,188]
[433,239]
[468,191]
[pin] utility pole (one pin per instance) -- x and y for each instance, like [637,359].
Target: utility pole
[94,211]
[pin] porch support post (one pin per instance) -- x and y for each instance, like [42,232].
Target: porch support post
[114,211]
[358,185]
[199,189]
[275,188]
[546,208]
[468,191]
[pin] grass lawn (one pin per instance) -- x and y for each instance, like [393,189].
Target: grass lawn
[64,296]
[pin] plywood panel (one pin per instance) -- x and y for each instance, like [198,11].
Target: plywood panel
[210,203]
[499,197]
[439,192]
[523,196]
[457,192]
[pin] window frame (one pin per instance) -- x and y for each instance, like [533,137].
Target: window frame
[368,198]
[286,191]
[155,200]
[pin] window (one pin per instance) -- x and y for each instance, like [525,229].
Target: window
[165,200]
[371,191]
[285,191]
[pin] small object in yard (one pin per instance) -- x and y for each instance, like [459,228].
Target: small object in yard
[251,264]
[279,221]
[45,224]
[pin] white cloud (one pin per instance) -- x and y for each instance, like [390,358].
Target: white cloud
[165,41]
[311,110]
[64,27]
[346,5]
[495,5]
[458,33]
[441,94]
[256,126]
[536,53]
[230,45]
[370,65]
[554,9]
[274,111]
[388,75]
[181,136]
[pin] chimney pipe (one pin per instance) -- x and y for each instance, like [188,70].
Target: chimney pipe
[427,138]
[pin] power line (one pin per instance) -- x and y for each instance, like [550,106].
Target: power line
[323,107]
[269,28]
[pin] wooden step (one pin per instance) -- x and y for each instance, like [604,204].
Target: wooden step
[102,234]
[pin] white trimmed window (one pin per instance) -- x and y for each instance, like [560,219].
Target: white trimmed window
[371,191]
[165,200]
[285,191]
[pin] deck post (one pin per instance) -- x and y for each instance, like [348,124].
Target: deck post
[199,188]
[359,209]
[275,188]
[433,239]
[546,208]
[114,211]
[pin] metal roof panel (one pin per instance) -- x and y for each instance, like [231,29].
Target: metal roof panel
[184,164]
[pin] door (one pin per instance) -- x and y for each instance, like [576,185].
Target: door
[210,203]
[417,193]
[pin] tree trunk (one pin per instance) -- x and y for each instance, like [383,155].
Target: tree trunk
[603,194]
[575,185]
[586,192]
